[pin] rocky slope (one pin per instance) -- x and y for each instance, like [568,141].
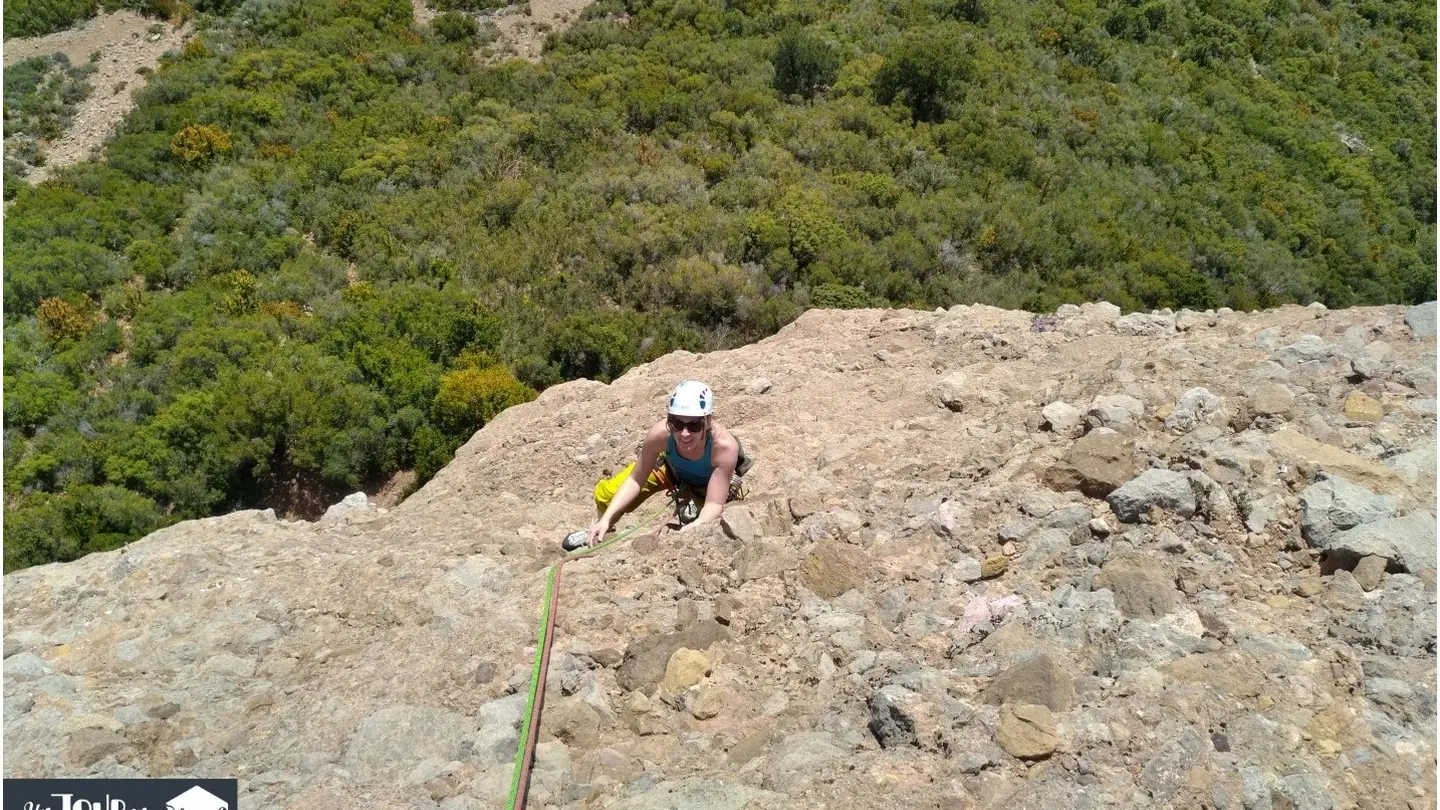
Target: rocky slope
[990,559]
[123,46]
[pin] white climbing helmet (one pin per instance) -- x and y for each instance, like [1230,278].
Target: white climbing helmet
[692,398]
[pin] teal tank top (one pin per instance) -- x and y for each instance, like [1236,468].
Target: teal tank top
[695,472]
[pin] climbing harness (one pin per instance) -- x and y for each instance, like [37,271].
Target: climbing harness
[530,727]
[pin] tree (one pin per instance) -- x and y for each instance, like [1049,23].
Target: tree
[804,63]
[923,70]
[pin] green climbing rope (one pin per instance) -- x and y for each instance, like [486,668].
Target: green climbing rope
[537,676]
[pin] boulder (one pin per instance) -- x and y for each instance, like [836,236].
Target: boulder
[1408,542]
[1039,680]
[1155,488]
[1064,419]
[1421,319]
[1360,407]
[1026,731]
[1144,587]
[646,659]
[832,569]
[1115,411]
[1271,399]
[1371,360]
[1295,446]
[684,669]
[949,392]
[901,717]
[1146,323]
[1195,407]
[1334,505]
[1369,572]
[1096,465]
[1306,350]
[354,502]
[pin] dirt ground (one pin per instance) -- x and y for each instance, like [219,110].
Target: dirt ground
[125,44]
[522,32]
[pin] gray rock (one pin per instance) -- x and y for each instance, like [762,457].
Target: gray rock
[392,741]
[1142,323]
[799,758]
[26,666]
[1043,547]
[763,558]
[354,502]
[1271,399]
[1307,791]
[1309,349]
[1268,338]
[1155,488]
[1166,772]
[499,732]
[965,569]
[1115,411]
[891,716]
[1039,680]
[1416,464]
[1255,786]
[1070,517]
[1064,419]
[757,386]
[1195,407]
[18,704]
[1102,311]
[699,793]
[1371,360]
[950,391]
[1144,587]
[738,523]
[1407,541]
[1334,505]
[1421,319]
[552,768]
[1018,530]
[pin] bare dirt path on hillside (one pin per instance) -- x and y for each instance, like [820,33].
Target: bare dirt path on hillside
[125,45]
[522,33]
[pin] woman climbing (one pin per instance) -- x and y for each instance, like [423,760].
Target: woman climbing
[688,454]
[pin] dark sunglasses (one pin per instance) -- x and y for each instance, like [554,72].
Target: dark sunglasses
[680,425]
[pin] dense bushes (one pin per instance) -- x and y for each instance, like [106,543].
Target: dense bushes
[327,246]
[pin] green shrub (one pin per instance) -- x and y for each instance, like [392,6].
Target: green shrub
[453,26]
[28,18]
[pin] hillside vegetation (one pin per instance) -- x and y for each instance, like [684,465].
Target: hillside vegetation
[328,245]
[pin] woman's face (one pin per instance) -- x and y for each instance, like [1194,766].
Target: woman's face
[687,430]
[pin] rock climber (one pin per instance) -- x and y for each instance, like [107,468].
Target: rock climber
[688,454]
